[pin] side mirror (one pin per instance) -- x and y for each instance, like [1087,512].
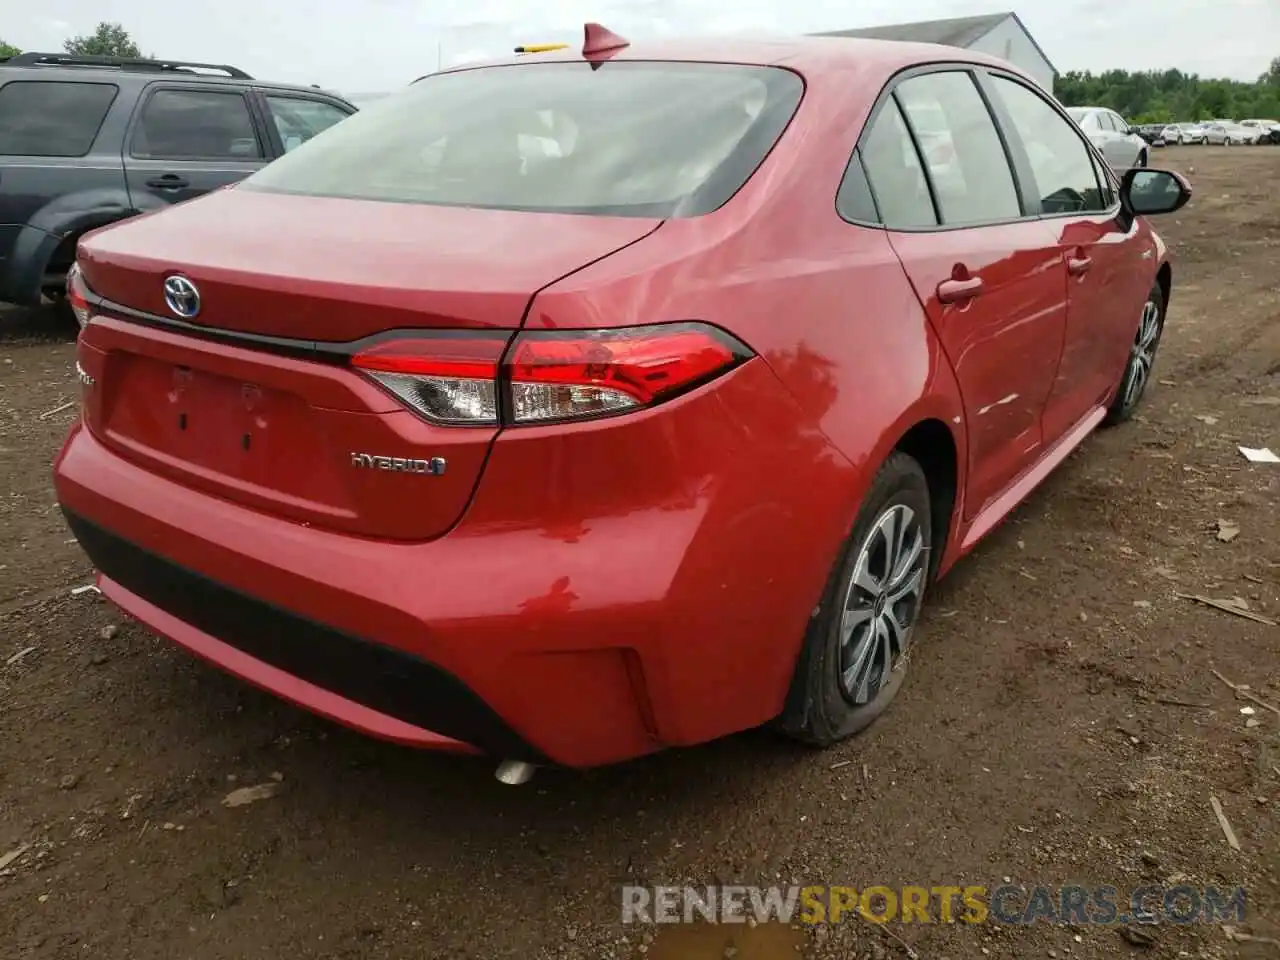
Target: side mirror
[1148,192]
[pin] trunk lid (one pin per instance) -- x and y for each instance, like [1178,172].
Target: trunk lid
[329,269]
[288,432]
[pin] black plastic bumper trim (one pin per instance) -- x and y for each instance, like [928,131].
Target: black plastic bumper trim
[390,681]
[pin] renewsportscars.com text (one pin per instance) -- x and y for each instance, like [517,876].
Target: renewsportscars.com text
[972,904]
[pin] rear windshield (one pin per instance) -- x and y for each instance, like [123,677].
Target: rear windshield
[630,138]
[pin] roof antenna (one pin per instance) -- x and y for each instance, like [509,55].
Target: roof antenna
[598,39]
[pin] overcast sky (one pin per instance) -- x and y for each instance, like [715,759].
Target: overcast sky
[359,46]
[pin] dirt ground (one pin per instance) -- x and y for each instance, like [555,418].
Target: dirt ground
[1062,722]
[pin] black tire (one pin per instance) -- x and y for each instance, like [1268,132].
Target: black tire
[1146,343]
[819,710]
[1142,159]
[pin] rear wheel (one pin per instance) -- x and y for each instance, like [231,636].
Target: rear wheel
[1142,357]
[856,651]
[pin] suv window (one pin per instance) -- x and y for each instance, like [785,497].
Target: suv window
[196,125]
[895,173]
[1063,166]
[43,119]
[624,138]
[967,165]
[1119,123]
[298,119]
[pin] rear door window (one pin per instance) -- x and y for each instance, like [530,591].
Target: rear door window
[896,175]
[650,139]
[967,165]
[298,119]
[43,119]
[196,125]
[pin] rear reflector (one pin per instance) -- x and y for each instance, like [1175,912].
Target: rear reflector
[548,376]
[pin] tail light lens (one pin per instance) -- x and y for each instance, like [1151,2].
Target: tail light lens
[548,376]
[449,379]
[570,375]
[78,294]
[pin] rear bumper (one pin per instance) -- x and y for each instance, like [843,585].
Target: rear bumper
[383,691]
[614,588]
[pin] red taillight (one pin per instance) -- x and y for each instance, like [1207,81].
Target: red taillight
[450,378]
[459,378]
[78,294]
[569,375]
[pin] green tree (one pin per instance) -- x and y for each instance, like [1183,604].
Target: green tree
[107,40]
[1272,77]
[1164,96]
[8,50]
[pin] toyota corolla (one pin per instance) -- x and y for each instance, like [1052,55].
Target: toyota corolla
[573,407]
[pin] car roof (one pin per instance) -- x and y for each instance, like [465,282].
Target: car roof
[802,54]
[142,77]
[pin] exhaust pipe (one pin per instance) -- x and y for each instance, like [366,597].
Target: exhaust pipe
[514,772]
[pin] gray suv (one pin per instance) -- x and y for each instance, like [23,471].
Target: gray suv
[86,141]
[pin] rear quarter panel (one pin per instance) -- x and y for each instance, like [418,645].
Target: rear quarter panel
[828,307]
[824,302]
[45,199]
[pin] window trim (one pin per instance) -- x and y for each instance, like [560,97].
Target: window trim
[889,92]
[261,97]
[97,131]
[1112,211]
[855,180]
[153,89]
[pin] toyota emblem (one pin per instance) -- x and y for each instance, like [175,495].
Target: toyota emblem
[182,297]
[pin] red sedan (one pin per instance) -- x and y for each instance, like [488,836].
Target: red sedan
[575,407]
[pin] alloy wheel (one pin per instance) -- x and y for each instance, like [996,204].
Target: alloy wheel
[1142,354]
[881,603]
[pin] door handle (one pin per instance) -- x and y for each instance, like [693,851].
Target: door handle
[170,181]
[1078,266]
[954,291]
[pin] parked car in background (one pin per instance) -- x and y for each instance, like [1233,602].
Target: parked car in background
[1152,134]
[86,141]
[1187,133]
[421,426]
[1230,134]
[1112,135]
[1268,130]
